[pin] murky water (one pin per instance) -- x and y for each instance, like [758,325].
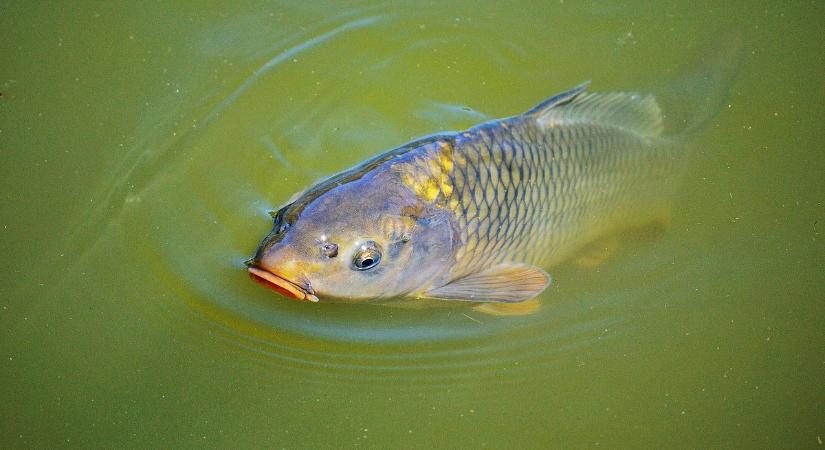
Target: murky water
[142,147]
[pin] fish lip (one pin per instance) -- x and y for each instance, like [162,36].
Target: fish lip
[283,285]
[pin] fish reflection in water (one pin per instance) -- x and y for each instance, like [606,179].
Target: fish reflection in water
[479,215]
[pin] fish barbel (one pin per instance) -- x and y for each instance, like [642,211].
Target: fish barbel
[477,215]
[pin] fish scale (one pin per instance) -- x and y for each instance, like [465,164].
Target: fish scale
[533,193]
[477,215]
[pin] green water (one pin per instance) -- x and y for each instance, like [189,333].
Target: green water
[142,145]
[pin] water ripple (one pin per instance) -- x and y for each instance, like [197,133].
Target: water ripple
[190,206]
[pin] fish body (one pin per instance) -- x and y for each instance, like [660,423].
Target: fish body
[477,215]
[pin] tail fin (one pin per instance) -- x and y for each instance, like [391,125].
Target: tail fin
[694,99]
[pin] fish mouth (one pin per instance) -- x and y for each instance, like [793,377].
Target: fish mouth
[282,285]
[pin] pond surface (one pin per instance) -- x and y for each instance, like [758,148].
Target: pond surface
[142,147]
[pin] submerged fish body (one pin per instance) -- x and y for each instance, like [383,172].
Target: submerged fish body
[477,215]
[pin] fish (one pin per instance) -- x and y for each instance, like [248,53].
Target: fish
[478,215]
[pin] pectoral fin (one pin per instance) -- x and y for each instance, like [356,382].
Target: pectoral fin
[596,253]
[524,308]
[507,283]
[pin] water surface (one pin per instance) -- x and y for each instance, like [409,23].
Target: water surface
[143,146]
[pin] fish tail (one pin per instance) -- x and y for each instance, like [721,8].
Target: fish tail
[693,100]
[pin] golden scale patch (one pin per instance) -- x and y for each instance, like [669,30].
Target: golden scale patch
[428,174]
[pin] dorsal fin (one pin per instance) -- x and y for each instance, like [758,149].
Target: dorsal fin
[628,110]
[558,99]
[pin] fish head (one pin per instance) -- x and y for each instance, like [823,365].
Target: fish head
[360,241]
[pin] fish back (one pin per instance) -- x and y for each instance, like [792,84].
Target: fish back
[535,187]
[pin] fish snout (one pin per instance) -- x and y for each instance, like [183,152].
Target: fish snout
[297,290]
[276,267]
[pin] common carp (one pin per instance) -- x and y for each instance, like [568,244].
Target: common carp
[477,215]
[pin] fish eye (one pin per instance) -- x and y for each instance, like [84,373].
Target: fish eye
[329,249]
[368,256]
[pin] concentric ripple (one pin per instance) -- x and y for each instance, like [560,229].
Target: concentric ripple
[191,198]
